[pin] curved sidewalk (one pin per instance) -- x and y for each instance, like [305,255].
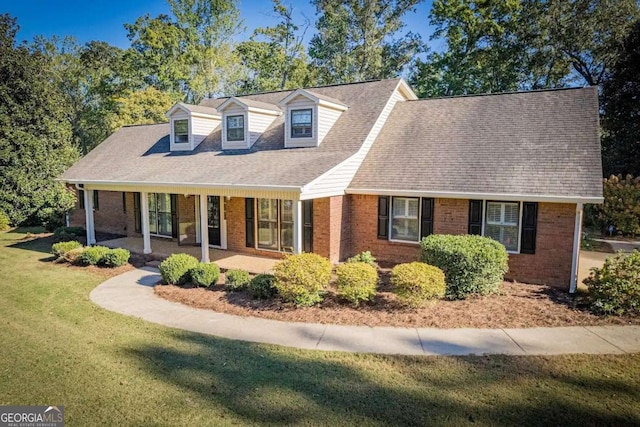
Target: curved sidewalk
[132,294]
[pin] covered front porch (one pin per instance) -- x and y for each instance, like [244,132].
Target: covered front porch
[225,259]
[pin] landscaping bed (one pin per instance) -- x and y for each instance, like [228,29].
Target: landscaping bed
[517,306]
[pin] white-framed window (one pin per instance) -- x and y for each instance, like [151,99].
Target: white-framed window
[302,123]
[405,219]
[180,131]
[502,223]
[235,128]
[160,223]
[275,224]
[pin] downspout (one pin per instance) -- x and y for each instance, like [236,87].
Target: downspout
[577,239]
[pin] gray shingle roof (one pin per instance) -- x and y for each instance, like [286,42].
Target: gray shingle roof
[327,98]
[535,143]
[141,153]
[199,109]
[258,104]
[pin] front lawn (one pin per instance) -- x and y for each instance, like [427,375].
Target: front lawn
[57,348]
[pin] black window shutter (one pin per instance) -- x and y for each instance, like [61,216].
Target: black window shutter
[426,226]
[475,217]
[383,217]
[529,225]
[96,201]
[307,225]
[137,213]
[174,215]
[124,202]
[249,226]
[81,199]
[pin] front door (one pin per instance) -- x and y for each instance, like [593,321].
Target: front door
[213,209]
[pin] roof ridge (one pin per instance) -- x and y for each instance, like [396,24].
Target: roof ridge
[515,92]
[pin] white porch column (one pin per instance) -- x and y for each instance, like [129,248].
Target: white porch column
[88,212]
[144,210]
[297,226]
[204,228]
[577,240]
[223,224]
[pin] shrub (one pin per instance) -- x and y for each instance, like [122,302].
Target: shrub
[262,286]
[301,278]
[471,264]
[615,288]
[4,221]
[236,280]
[93,255]
[73,255]
[63,234]
[175,269]
[115,257]
[357,281]
[60,249]
[205,274]
[417,282]
[621,207]
[363,257]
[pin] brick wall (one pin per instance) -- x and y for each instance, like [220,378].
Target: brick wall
[108,218]
[331,227]
[187,227]
[551,264]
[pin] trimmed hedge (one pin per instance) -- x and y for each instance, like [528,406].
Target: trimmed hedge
[205,274]
[175,269]
[416,282]
[61,248]
[472,265]
[262,286]
[301,278]
[93,255]
[115,258]
[365,257]
[357,282]
[615,288]
[236,280]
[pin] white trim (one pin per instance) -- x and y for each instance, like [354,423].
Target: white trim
[311,97]
[183,107]
[196,208]
[204,226]
[483,196]
[575,256]
[297,226]
[247,107]
[144,219]
[212,186]
[88,211]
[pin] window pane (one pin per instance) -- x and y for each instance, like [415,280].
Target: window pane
[153,222]
[268,235]
[286,237]
[404,229]
[399,207]
[152,202]
[267,209]
[181,131]
[287,211]
[507,235]
[164,202]
[164,224]
[511,213]
[301,117]
[235,128]
[413,208]
[494,213]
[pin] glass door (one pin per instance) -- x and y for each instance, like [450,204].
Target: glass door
[213,210]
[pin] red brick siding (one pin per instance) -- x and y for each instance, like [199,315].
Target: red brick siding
[321,227]
[131,221]
[187,227]
[108,218]
[551,264]
[331,228]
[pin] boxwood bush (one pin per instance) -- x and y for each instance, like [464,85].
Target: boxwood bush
[205,274]
[301,278]
[363,257]
[93,255]
[73,256]
[115,257]
[416,282]
[236,280]
[61,248]
[357,282]
[472,265]
[615,288]
[175,269]
[262,286]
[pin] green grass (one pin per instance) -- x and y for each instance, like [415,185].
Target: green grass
[57,348]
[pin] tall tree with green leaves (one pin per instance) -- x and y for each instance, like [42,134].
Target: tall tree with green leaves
[144,106]
[621,107]
[35,138]
[274,57]
[358,40]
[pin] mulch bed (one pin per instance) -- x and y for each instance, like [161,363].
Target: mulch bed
[517,306]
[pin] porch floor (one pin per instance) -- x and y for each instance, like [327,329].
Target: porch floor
[225,259]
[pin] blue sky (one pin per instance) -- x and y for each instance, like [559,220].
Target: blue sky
[103,20]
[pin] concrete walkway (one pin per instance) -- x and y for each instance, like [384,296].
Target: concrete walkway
[132,294]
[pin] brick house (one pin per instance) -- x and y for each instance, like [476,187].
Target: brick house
[341,169]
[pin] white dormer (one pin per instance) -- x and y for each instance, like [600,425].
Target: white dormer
[190,125]
[244,120]
[309,117]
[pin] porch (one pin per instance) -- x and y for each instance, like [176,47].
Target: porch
[225,259]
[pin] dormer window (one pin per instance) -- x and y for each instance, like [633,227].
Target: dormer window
[302,123]
[181,131]
[235,128]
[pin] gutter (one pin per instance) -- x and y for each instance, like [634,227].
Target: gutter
[483,196]
[291,188]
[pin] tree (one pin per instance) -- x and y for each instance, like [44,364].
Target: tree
[274,57]
[145,106]
[355,40]
[621,107]
[35,138]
